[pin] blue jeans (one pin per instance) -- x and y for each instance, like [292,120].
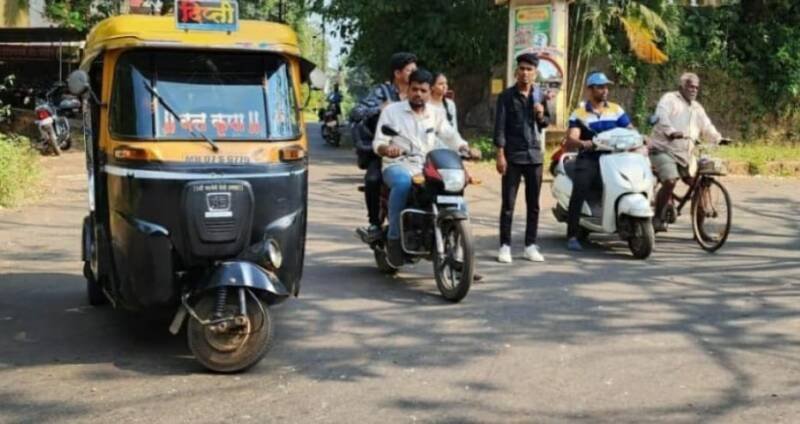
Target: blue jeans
[398,179]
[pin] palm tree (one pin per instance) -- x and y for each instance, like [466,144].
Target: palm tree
[593,24]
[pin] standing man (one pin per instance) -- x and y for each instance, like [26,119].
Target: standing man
[681,121]
[519,121]
[366,114]
[595,116]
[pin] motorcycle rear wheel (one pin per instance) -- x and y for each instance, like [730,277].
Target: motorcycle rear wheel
[454,278]
[234,350]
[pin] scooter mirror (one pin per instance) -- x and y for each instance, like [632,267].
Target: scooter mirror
[78,82]
[389,131]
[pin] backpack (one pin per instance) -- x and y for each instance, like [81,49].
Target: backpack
[365,130]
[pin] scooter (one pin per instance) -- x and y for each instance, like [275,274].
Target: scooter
[435,224]
[54,132]
[623,206]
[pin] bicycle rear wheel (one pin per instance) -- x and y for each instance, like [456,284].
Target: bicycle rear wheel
[711,214]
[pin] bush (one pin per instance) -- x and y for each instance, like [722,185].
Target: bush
[19,169]
[486,146]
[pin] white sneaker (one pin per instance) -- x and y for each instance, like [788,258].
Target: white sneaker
[532,254]
[504,255]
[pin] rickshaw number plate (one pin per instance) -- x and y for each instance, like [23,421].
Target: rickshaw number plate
[207,15]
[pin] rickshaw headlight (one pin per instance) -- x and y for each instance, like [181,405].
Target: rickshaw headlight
[274,253]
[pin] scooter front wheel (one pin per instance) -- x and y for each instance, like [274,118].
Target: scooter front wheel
[642,241]
[232,345]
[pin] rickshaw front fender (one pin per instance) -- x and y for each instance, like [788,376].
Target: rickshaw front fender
[249,275]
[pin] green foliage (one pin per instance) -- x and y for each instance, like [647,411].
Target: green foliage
[486,146]
[455,36]
[19,169]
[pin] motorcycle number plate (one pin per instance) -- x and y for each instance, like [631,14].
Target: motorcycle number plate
[331,123]
[450,200]
[46,121]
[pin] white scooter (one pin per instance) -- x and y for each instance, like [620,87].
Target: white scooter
[623,207]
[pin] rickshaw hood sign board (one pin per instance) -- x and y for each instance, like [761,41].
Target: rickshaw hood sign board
[207,15]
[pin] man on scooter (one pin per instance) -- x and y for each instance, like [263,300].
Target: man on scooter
[366,114]
[595,116]
[403,157]
[681,120]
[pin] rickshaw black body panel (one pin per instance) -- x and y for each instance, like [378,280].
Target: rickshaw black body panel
[177,219]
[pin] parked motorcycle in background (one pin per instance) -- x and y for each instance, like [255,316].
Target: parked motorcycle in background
[330,125]
[51,120]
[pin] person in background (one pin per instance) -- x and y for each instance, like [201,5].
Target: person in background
[438,99]
[517,129]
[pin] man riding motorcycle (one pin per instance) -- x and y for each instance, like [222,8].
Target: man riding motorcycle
[681,120]
[422,127]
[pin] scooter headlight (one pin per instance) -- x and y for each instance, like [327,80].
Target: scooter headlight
[274,253]
[453,179]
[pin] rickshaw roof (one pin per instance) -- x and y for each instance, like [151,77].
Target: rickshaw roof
[161,31]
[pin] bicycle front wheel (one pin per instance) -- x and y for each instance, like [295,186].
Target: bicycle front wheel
[711,215]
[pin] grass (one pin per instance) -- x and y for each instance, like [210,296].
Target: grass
[763,159]
[19,169]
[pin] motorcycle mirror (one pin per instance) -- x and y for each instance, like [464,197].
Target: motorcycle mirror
[78,82]
[389,131]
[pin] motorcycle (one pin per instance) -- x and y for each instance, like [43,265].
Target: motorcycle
[435,224]
[54,132]
[623,205]
[330,125]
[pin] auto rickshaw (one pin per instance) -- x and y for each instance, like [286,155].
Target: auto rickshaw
[197,169]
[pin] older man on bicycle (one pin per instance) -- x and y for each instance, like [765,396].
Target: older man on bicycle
[681,121]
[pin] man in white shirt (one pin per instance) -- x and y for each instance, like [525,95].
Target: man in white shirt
[681,121]
[403,157]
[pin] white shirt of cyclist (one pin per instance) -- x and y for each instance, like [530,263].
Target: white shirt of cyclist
[425,132]
[675,114]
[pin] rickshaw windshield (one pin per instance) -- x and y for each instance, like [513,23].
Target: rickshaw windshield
[225,96]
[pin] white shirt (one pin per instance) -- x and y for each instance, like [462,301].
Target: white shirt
[675,114]
[425,132]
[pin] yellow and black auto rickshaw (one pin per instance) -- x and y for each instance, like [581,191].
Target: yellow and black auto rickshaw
[196,158]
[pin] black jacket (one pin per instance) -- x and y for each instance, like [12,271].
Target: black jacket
[516,128]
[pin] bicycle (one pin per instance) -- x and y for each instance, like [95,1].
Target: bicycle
[711,207]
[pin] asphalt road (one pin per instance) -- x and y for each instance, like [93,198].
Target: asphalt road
[685,336]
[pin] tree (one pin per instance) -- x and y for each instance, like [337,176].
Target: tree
[631,33]
[455,36]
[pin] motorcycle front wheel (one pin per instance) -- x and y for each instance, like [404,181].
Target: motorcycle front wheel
[455,271]
[236,346]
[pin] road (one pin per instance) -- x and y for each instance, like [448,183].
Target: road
[597,337]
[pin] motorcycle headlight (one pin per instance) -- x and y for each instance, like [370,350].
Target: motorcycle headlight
[274,253]
[453,179]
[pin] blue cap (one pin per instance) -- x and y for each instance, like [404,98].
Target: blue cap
[597,78]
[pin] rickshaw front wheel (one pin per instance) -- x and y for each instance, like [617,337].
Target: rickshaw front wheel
[234,345]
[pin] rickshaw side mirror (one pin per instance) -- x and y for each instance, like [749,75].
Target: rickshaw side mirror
[78,82]
[311,74]
[317,79]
